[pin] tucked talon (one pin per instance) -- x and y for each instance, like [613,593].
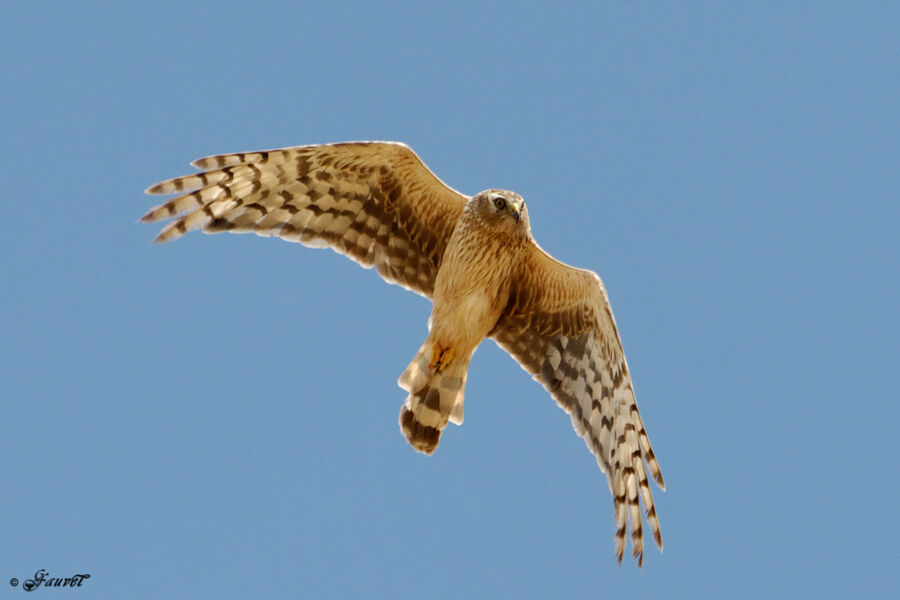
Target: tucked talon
[435,357]
[440,358]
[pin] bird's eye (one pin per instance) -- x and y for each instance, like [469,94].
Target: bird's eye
[500,203]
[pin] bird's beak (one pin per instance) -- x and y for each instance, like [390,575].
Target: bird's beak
[516,208]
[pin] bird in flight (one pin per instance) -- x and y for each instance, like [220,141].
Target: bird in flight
[474,257]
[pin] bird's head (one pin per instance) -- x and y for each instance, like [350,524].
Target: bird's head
[501,209]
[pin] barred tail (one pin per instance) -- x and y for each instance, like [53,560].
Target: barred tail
[434,399]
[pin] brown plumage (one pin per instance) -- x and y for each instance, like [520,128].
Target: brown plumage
[474,257]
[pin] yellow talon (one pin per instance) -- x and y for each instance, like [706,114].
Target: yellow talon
[440,358]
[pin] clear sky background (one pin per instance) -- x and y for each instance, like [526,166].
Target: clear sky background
[217,417]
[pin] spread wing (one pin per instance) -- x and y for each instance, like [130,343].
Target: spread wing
[375,202]
[559,326]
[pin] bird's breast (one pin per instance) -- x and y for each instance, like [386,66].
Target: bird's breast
[471,290]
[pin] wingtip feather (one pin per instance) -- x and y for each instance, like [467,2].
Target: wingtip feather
[151,215]
[162,237]
[155,189]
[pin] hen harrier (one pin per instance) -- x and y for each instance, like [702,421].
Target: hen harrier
[474,257]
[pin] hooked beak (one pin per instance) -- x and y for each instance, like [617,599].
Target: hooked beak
[516,209]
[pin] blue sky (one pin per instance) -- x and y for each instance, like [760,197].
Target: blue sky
[217,417]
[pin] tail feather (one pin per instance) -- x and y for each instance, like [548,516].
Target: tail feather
[434,399]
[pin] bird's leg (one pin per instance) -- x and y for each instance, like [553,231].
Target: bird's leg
[440,357]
